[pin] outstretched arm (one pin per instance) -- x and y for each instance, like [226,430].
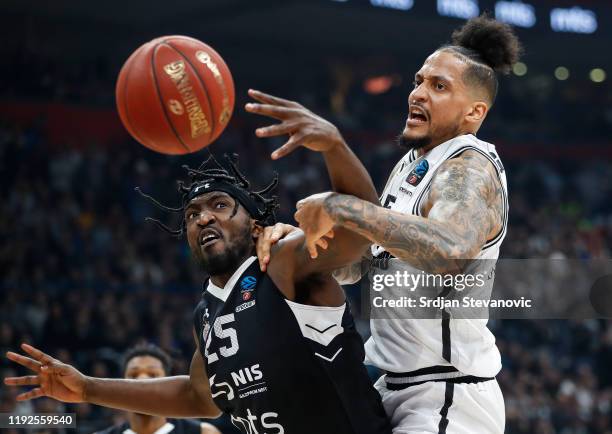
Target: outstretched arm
[178,396]
[464,208]
[181,396]
[346,172]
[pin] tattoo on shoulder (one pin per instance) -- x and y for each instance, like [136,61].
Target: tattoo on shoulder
[466,207]
[471,183]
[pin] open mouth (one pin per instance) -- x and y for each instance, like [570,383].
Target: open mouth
[208,237]
[417,116]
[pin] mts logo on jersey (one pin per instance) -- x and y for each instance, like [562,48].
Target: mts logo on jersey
[251,424]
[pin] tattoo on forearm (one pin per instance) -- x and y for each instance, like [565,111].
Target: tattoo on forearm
[466,206]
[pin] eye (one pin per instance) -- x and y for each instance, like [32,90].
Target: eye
[440,86]
[416,83]
[221,205]
[191,215]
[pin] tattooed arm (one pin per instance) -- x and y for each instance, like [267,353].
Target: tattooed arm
[463,209]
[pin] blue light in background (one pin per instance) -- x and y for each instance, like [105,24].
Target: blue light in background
[575,20]
[516,13]
[403,5]
[458,8]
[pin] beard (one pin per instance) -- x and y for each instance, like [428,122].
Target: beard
[437,136]
[413,143]
[230,259]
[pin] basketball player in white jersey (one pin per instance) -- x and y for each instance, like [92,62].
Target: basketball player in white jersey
[444,210]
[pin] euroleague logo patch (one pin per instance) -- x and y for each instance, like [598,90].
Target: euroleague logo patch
[247,285]
[416,174]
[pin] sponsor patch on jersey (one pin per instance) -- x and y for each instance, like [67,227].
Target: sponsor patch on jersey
[244,306]
[405,191]
[248,283]
[416,174]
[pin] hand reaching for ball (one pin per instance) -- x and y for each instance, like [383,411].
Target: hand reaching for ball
[303,126]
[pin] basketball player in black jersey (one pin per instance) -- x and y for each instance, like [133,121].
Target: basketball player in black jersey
[277,351]
[149,361]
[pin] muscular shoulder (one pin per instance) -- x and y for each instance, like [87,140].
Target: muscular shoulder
[284,264]
[469,175]
[299,277]
[468,182]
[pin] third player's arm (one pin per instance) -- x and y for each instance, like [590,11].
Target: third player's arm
[466,207]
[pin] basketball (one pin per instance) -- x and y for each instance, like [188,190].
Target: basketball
[175,95]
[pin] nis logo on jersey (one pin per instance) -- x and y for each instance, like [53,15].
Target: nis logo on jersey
[244,382]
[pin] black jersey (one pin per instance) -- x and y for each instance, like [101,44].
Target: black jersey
[172,426]
[277,367]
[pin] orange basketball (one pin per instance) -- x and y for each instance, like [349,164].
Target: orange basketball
[175,95]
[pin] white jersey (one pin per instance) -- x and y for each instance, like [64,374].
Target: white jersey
[406,345]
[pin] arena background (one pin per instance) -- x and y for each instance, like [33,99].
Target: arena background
[84,278]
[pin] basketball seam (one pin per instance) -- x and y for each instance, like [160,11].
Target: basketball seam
[162,101]
[204,87]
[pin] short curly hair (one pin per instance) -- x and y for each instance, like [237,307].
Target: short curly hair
[147,349]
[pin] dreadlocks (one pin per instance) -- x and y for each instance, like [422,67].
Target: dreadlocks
[233,182]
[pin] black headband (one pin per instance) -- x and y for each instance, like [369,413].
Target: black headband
[240,194]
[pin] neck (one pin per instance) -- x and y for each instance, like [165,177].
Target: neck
[145,424]
[220,280]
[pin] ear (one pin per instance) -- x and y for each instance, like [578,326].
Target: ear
[477,112]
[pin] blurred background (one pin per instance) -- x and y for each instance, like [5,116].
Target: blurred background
[83,277]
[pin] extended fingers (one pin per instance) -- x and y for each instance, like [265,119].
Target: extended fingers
[271,235]
[263,247]
[34,393]
[277,130]
[37,354]
[24,361]
[27,380]
[293,143]
[312,249]
[273,111]
[322,242]
[270,99]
